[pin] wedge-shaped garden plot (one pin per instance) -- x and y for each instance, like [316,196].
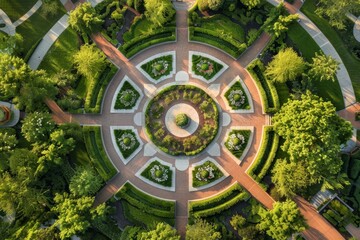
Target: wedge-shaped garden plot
[127,97]
[126,141]
[238,141]
[237,97]
[205,67]
[159,174]
[205,174]
[159,67]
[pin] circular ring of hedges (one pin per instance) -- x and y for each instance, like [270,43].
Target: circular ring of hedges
[208,120]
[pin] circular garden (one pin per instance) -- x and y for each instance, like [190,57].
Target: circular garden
[162,137]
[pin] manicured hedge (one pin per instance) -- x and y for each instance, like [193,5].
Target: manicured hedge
[148,67]
[268,148]
[140,207]
[269,97]
[135,45]
[97,89]
[147,174]
[219,203]
[197,58]
[96,151]
[355,168]
[227,44]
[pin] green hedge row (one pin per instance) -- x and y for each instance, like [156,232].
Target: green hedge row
[96,151]
[135,45]
[225,43]
[97,89]
[219,203]
[269,96]
[268,148]
[142,204]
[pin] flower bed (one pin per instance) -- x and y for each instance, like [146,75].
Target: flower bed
[126,141]
[158,173]
[206,173]
[194,143]
[205,67]
[236,97]
[237,141]
[159,67]
[127,97]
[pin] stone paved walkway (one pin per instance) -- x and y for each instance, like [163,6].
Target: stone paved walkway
[47,41]
[32,10]
[319,227]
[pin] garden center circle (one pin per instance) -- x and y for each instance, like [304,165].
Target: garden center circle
[173,112]
[198,110]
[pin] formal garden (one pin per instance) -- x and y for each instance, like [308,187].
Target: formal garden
[148,119]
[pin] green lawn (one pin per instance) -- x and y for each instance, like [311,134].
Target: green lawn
[37,26]
[352,64]
[16,8]
[307,46]
[60,55]
[223,25]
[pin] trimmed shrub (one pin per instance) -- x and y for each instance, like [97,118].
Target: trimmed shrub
[127,97]
[126,141]
[159,67]
[206,173]
[153,175]
[205,67]
[236,97]
[237,141]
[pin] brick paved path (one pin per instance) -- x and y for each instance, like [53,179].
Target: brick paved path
[319,228]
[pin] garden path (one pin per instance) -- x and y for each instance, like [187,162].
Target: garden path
[319,228]
[326,46]
[31,11]
[9,26]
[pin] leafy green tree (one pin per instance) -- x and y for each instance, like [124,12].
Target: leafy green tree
[50,7]
[250,232]
[37,127]
[201,229]
[282,221]
[131,233]
[89,61]
[237,221]
[251,3]
[285,66]
[159,11]
[84,19]
[323,68]
[8,141]
[281,25]
[75,215]
[11,44]
[162,231]
[23,161]
[86,181]
[290,178]
[336,10]
[215,4]
[203,5]
[313,133]
[13,72]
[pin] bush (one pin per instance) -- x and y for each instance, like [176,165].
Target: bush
[237,141]
[268,93]
[150,67]
[206,173]
[127,97]
[126,141]
[236,97]
[205,67]
[96,151]
[147,174]
[266,154]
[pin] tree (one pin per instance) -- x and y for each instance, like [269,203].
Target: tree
[159,11]
[251,3]
[290,178]
[323,68]
[202,230]
[337,10]
[8,140]
[215,4]
[162,231]
[282,221]
[85,182]
[50,7]
[285,66]
[37,127]
[89,61]
[313,133]
[11,44]
[13,72]
[84,19]
[250,232]
[75,215]
[237,221]
[281,25]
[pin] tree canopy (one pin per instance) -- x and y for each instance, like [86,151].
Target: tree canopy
[336,10]
[282,221]
[84,19]
[323,68]
[201,229]
[159,11]
[85,181]
[251,3]
[285,66]
[162,231]
[313,133]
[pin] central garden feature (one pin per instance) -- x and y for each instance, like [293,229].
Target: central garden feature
[182,120]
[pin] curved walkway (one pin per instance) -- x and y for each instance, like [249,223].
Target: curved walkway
[31,11]
[319,227]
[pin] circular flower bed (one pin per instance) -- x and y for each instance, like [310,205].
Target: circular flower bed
[128,97]
[159,173]
[182,120]
[237,141]
[236,97]
[126,141]
[205,174]
[159,67]
[208,120]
